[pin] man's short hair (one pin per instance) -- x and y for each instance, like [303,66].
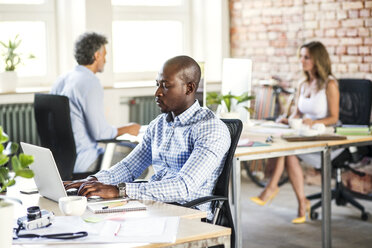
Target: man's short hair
[191,71]
[86,46]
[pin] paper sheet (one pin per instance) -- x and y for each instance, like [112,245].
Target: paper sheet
[273,124]
[133,230]
[275,131]
[151,230]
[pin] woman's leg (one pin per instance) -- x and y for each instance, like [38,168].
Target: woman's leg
[296,177]
[272,186]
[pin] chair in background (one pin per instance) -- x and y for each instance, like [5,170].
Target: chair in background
[355,108]
[271,102]
[52,115]
[220,198]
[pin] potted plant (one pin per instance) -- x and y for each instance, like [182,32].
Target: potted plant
[12,59]
[228,103]
[20,168]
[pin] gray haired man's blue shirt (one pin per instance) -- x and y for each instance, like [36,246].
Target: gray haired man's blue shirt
[88,121]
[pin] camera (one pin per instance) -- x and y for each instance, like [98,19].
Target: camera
[35,218]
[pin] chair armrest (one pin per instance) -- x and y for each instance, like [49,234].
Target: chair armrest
[106,141]
[203,200]
[119,142]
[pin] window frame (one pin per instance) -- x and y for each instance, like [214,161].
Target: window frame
[36,12]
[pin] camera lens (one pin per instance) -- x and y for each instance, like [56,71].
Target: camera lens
[33,213]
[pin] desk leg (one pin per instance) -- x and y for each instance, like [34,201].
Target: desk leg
[236,199]
[107,156]
[326,198]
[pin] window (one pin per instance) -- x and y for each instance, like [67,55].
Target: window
[132,55]
[33,22]
[146,33]
[22,1]
[146,2]
[30,44]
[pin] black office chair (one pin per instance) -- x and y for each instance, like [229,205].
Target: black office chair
[355,108]
[220,198]
[52,116]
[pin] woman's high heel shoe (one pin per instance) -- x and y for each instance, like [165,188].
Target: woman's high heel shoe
[260,202]
[302,219]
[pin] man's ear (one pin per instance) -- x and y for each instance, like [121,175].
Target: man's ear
[190,88]
[96,55]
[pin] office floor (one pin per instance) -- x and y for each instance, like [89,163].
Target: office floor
[270,226]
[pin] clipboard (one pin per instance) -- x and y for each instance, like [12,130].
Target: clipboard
[296,138]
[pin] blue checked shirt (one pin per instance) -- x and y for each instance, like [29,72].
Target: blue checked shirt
[187,154]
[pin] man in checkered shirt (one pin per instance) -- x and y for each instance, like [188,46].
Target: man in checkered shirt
[186,145]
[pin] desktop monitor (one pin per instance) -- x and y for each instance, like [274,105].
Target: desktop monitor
[236,78]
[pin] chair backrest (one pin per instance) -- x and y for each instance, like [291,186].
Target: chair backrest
[235,128]
[355,101]
[52,115]
[271,101]
[222,186]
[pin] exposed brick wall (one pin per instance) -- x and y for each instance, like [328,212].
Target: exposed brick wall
[270,32]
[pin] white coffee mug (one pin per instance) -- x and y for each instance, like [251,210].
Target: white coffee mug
[295,123]
[72,205]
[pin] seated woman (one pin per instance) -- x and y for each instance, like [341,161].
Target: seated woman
[317,102]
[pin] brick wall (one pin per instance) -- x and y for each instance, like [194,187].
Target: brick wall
[270,32]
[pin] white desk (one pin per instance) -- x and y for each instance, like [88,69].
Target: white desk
[191,233]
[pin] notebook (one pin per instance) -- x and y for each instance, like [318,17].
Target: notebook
[115,206]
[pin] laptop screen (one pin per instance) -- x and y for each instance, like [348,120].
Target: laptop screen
[47,178]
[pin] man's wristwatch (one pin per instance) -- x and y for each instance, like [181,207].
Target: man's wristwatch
[122,189]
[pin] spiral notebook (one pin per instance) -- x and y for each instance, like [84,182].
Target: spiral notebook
[115,206]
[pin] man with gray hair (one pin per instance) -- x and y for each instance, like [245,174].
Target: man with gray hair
[85,93]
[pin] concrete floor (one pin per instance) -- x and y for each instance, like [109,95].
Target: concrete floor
[270,226]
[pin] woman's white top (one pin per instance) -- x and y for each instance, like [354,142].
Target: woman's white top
[314,107]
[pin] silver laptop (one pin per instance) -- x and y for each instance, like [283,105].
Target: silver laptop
[47,178]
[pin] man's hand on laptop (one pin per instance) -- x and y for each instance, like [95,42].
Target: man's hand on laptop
[95,188]
[130,128]
[91,187]
[77,183]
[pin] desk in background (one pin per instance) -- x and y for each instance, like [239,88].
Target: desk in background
[280,148]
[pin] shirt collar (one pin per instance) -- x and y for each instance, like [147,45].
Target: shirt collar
[84,69]
[184,117]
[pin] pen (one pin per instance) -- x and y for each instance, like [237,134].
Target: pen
[117,229]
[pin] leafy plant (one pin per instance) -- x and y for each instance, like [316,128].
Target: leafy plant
[11,58]
[20,163]
[214,98]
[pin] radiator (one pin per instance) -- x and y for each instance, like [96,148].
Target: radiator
[18,122]
[143,110]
